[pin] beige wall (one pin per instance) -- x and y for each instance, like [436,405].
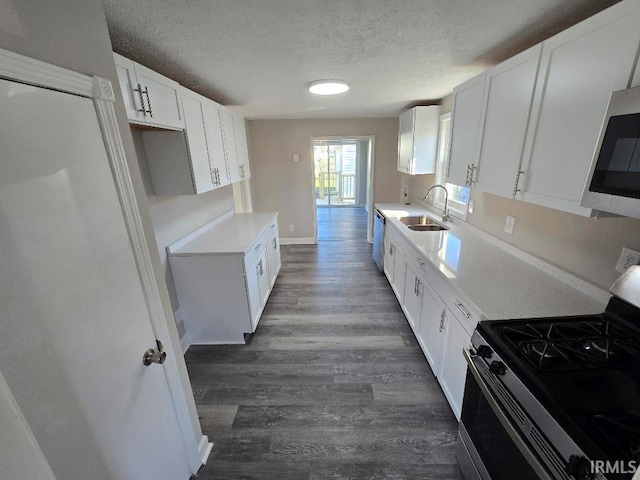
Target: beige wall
[73,34]
[587,247]
[281,185]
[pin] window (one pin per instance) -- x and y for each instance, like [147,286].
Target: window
[458,196]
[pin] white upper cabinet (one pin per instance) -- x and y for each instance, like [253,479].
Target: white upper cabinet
[580,67]
[508,92]
[149,98]
[467,110]
[418,140]
[215,142]
[242,148]
[230,144]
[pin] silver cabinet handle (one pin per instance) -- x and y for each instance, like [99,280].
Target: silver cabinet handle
[443,315]
[146,92]
[464,311]
[420,261]
[273,225]
[218,176]
[242,171]
[417,287]
[467,179]
[391,249]
[260,269]
[257,247]
[141,95]
[275,243]
[515,185]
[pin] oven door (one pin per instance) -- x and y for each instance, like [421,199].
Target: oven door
[490,446]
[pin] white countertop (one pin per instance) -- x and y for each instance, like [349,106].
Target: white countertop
[500,284]
[233,235]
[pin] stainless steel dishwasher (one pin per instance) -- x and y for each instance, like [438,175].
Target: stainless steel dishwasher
[378,238]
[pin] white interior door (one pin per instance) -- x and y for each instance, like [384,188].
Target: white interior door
[74,322]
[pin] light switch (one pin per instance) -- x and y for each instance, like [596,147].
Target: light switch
[509,224]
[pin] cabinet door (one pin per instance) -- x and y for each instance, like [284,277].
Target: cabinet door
[426,124]
[467,108]
[579,69]
[405,141]
[273,257]
[430,332]
[230,145]
[162,98]
[453,368]
[413,296]
[507,103]
[399,266]
[128,87]
[388,261]
[253,291]
[197,143]
[215,143]
[264,278]
[242,148]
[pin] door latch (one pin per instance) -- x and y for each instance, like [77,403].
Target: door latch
[152,356]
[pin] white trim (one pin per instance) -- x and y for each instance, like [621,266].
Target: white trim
[205,449]
[23,69]
[181,242]
[298,241]
[185,343]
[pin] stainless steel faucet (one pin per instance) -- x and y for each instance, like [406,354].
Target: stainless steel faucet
[445,212]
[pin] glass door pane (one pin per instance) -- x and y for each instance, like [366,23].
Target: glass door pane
[336,172]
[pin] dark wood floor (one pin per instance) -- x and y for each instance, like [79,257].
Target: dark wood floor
[333,384]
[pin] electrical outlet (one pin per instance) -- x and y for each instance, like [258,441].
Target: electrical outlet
[291,227]
[405,192]
[509,224]
[472,204]
[628,257]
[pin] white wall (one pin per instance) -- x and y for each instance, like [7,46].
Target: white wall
[73,34]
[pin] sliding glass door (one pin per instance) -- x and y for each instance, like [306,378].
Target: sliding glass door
[336,172]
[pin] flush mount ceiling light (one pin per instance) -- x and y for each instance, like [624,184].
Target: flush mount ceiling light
[328,87]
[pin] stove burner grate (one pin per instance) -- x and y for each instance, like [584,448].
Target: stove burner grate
[574,345]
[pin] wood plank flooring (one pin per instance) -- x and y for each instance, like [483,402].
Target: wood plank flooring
[333,384]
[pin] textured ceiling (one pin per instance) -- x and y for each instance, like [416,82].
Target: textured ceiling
[260,55]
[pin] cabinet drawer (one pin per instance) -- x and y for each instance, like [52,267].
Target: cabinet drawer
[463,309]
[260,243]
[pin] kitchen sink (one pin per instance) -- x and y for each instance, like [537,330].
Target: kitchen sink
[418,220]
[434,227]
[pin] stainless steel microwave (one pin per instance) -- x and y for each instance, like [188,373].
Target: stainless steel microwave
[613,184]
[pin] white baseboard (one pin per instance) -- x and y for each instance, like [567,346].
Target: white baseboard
[204,447]
[297,241]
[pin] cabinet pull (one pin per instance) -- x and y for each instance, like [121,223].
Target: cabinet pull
[242,171]
[473,175]
[146,93]
[466,179]
[417,287]
[260,269]
[515,185]
[464,311]
[443,314]
[218,176]
[391,249]
[141,94]
[273,225]
[257,247]
[275,244]
[420,261]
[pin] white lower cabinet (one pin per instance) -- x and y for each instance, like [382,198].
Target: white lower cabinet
[441,318]
[453,366]
[412,305]
[431,327]
[222,292]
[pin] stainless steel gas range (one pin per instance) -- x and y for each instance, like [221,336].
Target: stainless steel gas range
[556,398]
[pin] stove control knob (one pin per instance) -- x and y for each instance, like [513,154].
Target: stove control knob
[498,368]
[579,468]
[485,351]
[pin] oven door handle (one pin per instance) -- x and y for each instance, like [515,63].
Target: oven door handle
[514,434]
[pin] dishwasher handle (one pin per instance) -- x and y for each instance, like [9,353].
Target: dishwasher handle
[380,216]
